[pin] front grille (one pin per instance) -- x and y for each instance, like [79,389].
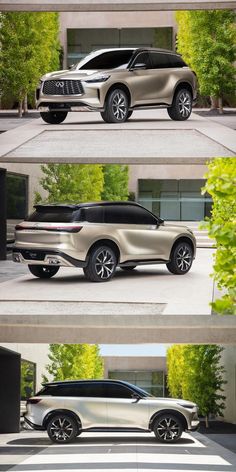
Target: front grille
[63,87]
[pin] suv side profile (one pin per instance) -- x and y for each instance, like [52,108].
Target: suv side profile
[99,237]
[116,82]
[66,409]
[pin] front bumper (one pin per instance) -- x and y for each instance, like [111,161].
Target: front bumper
[45,257]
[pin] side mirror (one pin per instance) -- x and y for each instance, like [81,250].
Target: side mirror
[71,66]
[135,397]
[139,66]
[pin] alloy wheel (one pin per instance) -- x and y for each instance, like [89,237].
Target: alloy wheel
[61,429]
[184,258]
[105,264]
[185,104]
[168,429]
[119,106]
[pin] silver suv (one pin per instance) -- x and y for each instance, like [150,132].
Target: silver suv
[66,409]
[99,237]
[116,82]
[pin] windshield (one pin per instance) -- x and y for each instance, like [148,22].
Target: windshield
[116,59]
[139,390]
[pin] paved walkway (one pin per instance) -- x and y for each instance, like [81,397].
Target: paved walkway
[149,135]
[96,452]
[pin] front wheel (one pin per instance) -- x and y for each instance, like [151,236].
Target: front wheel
[43,272]
[181,107]
[62,429]
[181,258]
[168,428]
[101,265]
[116,107]
[53,117]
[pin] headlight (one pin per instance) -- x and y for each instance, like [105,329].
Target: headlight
[189,407]
[40,83]
[97,79]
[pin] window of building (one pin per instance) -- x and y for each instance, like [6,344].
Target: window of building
[28,379]
[17,196]
[151,381]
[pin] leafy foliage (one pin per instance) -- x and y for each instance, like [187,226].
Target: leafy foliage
[116,180]
[195,374]
[29,48]
[221,185]
[206,40]
[71,183]
[74,361]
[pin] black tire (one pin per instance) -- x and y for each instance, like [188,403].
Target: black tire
[181,107]
[62,429]
[53,117]
[43,272]
[116,107]
[128,268]
[101,265]
[181,258]
[130,113]
[168,428]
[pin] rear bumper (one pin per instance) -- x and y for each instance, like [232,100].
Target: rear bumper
[45,257]
[37,427]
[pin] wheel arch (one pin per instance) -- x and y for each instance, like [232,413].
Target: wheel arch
[59,411]
[183,84]
[181,239]
[105,242]
[121,86]
[169,411]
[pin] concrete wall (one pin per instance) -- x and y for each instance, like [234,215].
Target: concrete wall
[133,363]
[163,172]
[229,362]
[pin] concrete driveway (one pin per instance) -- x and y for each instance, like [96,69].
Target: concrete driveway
[149,135]
[96,452]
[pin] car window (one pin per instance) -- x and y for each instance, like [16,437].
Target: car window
[128,214]
[109,60]
[176,61]
[118,391]
[159,60]
[142,58]
[92,214]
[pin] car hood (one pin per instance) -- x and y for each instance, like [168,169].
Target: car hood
[173,400]
[179,228]
[76,74]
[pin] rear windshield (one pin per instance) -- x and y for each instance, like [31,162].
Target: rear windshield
[52,215]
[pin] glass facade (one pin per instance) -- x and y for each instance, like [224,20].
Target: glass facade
[82,41]
[175,200]
[153,382]
[17,196]
[28,379]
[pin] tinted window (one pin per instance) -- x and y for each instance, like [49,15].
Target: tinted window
[81,390]
[109,60]
[92,214]
[159,60]
[128,215]
[176,61]
[118,391]
[143,58]
[52,215]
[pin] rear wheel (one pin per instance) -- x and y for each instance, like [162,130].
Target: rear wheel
[168,428]
[116,107]
[181,258]
[54,117]
[181,107]
[62,429]
[43,272]
[101,265]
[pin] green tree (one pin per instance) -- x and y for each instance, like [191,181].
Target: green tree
[116,179]
[74,361]
[29,48]
[221,185]
[206,40]
[72,183]
[200,376]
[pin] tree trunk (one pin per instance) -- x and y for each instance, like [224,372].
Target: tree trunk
[214,103]
[25,105]
[20,108]
[206,421]
[221,111]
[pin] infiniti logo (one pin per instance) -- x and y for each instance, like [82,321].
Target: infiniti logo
[60,84]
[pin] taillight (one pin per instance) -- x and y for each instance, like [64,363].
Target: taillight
[64,229]
[33,401]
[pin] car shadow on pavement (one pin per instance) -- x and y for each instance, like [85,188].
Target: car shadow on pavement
[45,441]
